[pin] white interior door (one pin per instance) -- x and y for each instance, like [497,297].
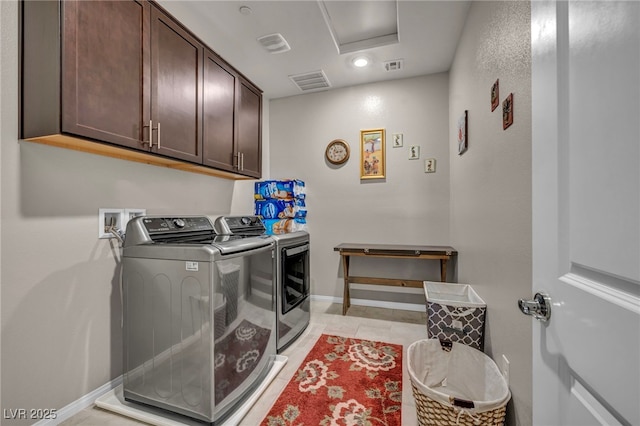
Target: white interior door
[586,214]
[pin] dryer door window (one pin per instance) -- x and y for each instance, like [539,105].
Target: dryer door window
[295,276]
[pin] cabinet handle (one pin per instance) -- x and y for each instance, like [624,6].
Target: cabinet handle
[150,141]
[242,161]
[237,155]
[158,128]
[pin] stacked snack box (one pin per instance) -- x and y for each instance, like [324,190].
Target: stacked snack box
[281,205]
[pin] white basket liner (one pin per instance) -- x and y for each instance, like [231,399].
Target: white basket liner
[458,295]
[468,373]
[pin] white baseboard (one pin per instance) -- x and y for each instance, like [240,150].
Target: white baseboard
[80,404]
[373,303]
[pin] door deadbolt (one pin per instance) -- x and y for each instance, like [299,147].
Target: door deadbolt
[539,307]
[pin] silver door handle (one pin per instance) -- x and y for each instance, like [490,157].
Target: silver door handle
[158,135]
[240,161]
[158,141]
[150,141]
[539,307]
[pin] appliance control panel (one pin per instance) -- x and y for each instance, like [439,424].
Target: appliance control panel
[239,225]
[164,225]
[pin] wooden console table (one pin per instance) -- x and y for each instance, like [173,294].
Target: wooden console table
[396,251]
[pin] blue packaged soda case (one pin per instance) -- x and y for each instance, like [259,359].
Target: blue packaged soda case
[279,189]
[284,226]
[300,208]
[280,209]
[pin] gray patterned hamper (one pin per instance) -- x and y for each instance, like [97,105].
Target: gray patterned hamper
[455,313]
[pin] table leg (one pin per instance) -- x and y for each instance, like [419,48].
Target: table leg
[346,298]
[443,270]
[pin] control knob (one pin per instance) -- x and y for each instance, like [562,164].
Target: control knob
[179,223]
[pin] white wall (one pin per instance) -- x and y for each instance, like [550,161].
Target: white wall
[491,182]
[60,299]
[408,207]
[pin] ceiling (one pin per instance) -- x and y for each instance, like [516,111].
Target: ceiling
[426,39]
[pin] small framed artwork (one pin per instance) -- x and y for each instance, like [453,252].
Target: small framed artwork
[430,165]
[414,152]
[495,95]
[507,112]
[397,140]
[372,160]
[463,141]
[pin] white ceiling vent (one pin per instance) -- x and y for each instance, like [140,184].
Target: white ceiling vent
[315,80]
[274,43]
[395,65]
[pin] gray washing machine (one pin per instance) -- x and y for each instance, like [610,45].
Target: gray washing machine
[199,320]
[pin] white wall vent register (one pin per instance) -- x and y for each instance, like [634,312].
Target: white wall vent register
[394,65]
[315,80]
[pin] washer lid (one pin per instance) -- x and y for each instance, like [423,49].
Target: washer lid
[238,245]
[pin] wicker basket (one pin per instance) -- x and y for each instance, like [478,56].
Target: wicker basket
[432,413]
[454,384]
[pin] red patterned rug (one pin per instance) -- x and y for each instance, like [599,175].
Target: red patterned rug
[343,381]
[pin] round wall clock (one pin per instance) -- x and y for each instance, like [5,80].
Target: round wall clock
[337,151]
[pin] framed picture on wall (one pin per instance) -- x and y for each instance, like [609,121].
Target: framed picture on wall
[507,112]
[463,141]
[372,160]
[430,165]
[397,140]
[495,95]
[414,152]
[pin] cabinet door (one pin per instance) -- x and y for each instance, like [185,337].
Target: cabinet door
[249,129]
[176,83]
[218,114]
[105,87]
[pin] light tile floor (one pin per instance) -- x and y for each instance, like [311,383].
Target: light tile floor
[380,324]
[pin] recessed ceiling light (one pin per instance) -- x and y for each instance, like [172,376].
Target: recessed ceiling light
[360,61]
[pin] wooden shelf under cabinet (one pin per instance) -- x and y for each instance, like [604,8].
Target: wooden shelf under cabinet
[91,147]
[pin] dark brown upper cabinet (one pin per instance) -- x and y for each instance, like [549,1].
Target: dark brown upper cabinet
[176,87]
[248,127]
[93,84]
[127,74]
[232,129]
[219,103]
